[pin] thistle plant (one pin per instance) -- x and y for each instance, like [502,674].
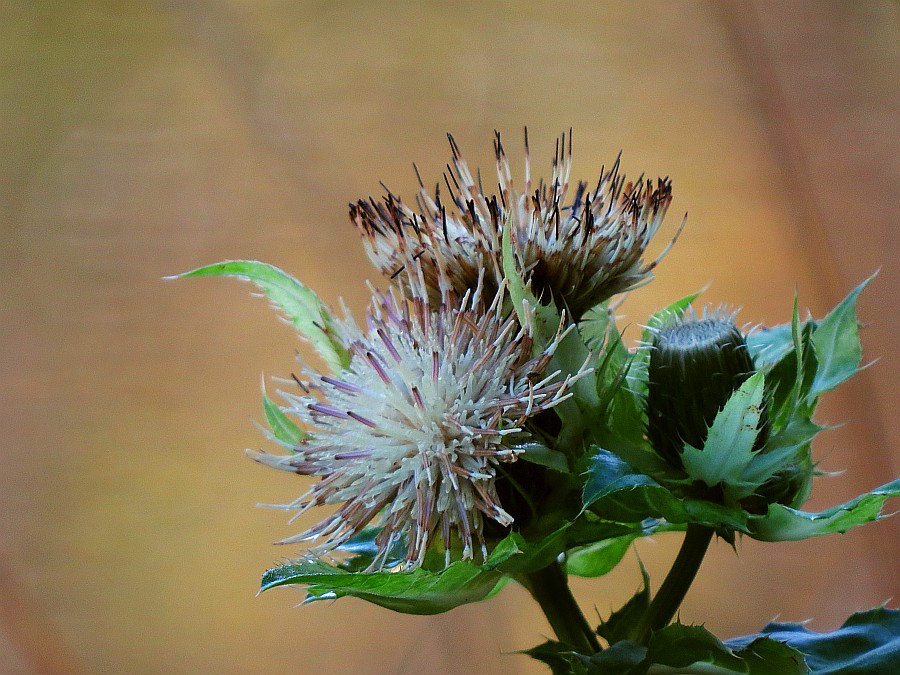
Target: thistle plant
[487,423]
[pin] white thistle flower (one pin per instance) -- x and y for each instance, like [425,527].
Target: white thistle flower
[579,252]
[411,436]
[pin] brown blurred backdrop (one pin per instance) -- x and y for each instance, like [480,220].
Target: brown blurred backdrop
[140,139]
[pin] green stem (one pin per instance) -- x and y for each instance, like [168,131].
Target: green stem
[550,588]
[678,581]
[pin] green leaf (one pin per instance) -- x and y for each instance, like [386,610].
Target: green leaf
[283,429]
[589,529]
[364,551]
[867,644]
[596,325]
[679,646]
[300,305]
[617,420]
[783,448]
[416,592]
[538,453]
[626,623]
[560,657]
[768,346]
[623,658]
[693,649]
[617,492]
[531,555]
[683,649]
[729,446]
[570,355]
[623,494]
[789,381]
[677,308]
[836,341]
[545,317]
[783,523]
[600,557]
[609,474]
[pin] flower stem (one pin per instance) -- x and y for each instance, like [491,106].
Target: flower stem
[678,580]
[550,588]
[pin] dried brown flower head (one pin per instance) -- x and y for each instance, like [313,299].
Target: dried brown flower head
[577,252]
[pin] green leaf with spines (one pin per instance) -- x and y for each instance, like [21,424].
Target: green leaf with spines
[301,306]
[559,657]
[622,658]
[415,592]
[545,318]
[570,355]
[684,649]
[283,429]
[680,648]
[728,449]
[790,446]
[769,345]
[418,591]
[618,420]
[836,341]
[868,643]
[782,523]
[626,623]
[589,529]
[545,322]
[615,491]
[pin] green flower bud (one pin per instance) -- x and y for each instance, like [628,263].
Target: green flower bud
[696,364]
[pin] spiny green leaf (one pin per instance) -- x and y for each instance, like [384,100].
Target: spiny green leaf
[626,623]
[768,346]
[693,649]
[682,649]
[282,427]
[596,326]
[836,341]
[782,523]
[416,592]
[615,491]
[867,644]
[559,657]
[608,475]
[729,445]
[622,658]
[781,449]
[570,355]
[300,305]
[545,317]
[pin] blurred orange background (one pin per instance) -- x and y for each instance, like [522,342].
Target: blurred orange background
[141,139]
